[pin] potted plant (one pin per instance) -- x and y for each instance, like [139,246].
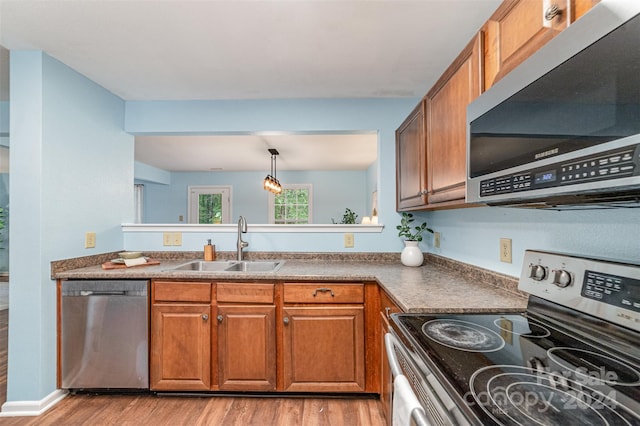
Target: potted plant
[349,217]
[411,254]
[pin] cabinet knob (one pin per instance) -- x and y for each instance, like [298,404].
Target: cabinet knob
[551,12]
[387,312]
[285,320]
[205,317]
[219,318]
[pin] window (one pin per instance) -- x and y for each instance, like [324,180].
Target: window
[292,205]
[209,204]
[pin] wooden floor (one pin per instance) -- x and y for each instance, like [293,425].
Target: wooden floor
[138,410]
[216,410]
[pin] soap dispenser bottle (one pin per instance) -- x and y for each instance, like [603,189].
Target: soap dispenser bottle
[209,251]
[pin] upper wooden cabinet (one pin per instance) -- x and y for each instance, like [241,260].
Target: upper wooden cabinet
[411,162]
[518,28]
[446,123]
[431,143]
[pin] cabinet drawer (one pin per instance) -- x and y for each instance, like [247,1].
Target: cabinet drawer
[177,291]
[323,293]
[240,293]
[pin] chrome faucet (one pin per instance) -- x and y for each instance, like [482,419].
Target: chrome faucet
[242,229]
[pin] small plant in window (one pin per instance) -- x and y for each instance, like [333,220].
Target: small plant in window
[349,217]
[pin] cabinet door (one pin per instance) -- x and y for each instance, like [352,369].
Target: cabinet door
[324,349]
[247,347]
[517,29]
[180,347]
[447,125]
[411,162]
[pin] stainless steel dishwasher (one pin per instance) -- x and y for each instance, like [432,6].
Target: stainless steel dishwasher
[105,334]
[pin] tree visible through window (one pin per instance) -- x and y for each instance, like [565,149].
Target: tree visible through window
[209,204]
[292,205]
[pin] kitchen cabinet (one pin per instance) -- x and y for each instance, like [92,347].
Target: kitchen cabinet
[431,142]
[411,162]
[323,337]
[180,356]
[517,29]
[387,307]
[446,126]
[246,347]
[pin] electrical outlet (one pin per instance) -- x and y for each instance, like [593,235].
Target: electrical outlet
[176,239]
[167,239]
[181,218]
[90,240]
[505,250]
[348,240]
[436,239]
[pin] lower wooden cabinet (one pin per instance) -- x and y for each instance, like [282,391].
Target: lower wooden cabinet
[247,347]
[261,336]
[323,349]
[180,347]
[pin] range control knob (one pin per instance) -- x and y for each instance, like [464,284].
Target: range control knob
[537,272]
[561,278]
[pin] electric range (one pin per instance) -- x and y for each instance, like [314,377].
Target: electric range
[573,357]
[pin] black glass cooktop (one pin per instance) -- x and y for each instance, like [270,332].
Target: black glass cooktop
[516,369]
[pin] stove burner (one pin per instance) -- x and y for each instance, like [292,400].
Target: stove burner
[594,368]
[462,335]
[522,326]
[513,395]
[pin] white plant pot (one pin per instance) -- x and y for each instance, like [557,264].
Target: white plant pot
[411,254]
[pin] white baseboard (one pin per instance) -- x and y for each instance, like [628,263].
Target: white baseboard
[32,408]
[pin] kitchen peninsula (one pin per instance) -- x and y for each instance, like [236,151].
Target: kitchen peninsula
[314,325]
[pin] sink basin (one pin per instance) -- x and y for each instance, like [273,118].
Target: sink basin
[230,266]
[255,266]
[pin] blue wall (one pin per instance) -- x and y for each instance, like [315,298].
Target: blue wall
[72,172]
[469,235]
[332,193]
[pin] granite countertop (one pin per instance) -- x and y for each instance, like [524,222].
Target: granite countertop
[440,285]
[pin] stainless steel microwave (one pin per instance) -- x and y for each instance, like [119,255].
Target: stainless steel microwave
[563,128]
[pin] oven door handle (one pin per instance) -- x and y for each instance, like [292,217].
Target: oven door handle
[390,341]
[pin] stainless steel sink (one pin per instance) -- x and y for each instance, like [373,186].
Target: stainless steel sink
[230,266]
[255,266]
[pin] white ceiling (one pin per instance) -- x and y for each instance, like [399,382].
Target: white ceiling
[207,49]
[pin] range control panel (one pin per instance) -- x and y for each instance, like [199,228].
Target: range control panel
[603,288]
[613,164]
[612,289]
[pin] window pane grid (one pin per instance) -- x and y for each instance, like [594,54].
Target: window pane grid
[292,206]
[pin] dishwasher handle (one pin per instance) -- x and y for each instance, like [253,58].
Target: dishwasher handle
[103,293]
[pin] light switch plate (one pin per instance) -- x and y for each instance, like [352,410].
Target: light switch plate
[436,239]
[90,240]
[505,250]
[348,240]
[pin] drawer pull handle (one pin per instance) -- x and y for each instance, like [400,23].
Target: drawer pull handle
[552,12]
[286,320]
[219,317]
[387,311]
[323,290]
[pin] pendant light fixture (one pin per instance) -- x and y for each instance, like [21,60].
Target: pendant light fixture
[271,183]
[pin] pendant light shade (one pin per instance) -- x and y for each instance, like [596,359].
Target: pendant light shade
[271,183]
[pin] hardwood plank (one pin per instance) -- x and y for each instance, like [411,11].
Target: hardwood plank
[205,410]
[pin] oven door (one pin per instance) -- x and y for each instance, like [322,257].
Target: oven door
[437,407]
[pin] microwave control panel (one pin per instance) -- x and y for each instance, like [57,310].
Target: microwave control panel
[613,164]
